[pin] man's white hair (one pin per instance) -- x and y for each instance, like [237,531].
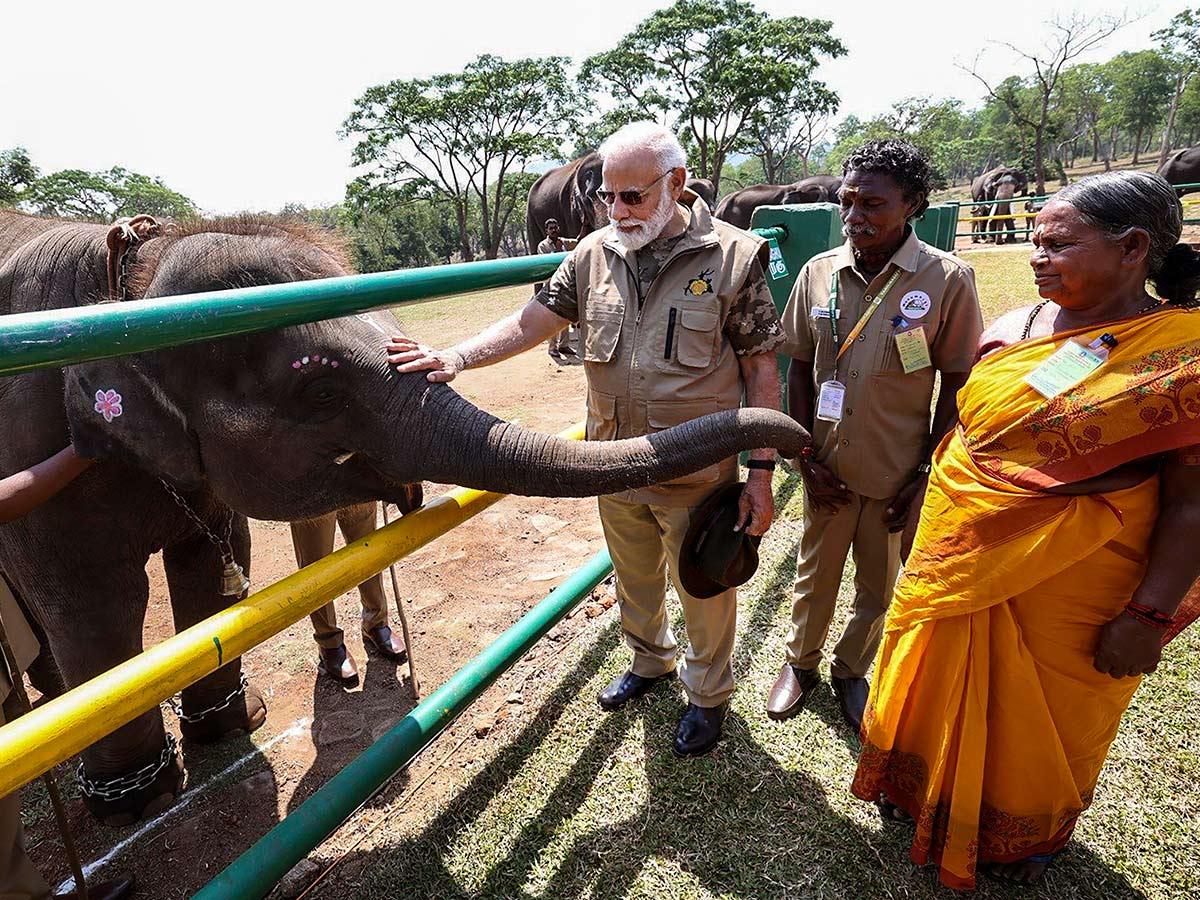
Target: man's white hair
[640,137]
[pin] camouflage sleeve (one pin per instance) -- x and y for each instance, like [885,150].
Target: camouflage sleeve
[559,295]
[753,324]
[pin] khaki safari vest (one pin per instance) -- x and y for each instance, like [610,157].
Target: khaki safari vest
[669,361]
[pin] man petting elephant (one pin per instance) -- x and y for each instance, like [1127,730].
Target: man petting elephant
[285,425]
[675,321]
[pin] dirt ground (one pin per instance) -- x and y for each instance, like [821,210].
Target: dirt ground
[460,593]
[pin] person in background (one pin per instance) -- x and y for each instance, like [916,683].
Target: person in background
[313,540]
[560,343]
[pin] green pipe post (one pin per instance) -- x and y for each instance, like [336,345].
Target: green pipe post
[255,873]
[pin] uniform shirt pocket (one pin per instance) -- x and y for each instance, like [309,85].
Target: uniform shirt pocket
[602,318]
[690,337]
[601,417]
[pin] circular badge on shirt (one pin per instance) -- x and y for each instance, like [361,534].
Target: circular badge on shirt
[915,304]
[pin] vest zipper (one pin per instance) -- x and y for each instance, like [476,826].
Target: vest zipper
[670,332]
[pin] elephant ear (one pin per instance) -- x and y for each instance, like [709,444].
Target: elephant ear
[116,409]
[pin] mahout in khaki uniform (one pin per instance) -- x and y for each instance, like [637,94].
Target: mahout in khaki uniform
[869,326]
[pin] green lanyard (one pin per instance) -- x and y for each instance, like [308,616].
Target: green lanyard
[866,316]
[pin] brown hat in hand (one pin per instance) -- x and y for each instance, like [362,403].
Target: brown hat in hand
[714,557]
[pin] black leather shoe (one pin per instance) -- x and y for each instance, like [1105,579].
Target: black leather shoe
[852,699]
[383,641]
[627,686]
[699,729]
[338,664]
[790,691]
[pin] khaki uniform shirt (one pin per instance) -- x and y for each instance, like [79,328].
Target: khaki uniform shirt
[548,246]
[884,432]
[20,637]
[660,332]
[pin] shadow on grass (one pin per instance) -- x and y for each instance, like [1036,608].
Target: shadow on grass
[734,823]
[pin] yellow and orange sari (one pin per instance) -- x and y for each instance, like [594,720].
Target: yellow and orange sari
[987,722]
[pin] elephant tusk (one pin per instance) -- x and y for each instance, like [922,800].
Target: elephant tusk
[338,460]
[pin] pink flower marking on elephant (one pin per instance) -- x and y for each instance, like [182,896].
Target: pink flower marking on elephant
[108,404]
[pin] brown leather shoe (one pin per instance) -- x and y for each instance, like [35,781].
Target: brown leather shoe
[338,664]
[385,643]
[790,691]
[852,698]
[105,890]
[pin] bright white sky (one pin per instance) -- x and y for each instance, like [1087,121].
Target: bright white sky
[237,104]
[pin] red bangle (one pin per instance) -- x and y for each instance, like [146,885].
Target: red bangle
[806,452]
[1149,616]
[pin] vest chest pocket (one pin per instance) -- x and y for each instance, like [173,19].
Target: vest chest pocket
[602,327]
[690,338]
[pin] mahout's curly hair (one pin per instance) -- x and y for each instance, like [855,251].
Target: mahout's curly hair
[908,166]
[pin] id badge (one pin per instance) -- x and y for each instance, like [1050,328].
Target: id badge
[913,349]
[830,401]
[1069,365]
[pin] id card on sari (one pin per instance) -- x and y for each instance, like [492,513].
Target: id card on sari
[913,348]
[1066,367]
[830,401]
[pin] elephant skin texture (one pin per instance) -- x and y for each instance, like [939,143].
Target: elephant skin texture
[1182,167]
[282,425]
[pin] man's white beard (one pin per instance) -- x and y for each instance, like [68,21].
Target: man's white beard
[648,229]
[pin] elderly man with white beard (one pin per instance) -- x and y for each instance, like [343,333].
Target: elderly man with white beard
[676,322]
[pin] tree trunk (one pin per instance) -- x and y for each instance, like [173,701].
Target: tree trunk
[1165,148]
[1096,144]
[1039,159]
[464,236]
[1137,144]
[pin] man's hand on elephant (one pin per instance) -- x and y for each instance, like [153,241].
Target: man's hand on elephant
[756,505]
[408,356]
[911,495]
[825,490]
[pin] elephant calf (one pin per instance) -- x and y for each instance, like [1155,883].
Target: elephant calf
[285,425]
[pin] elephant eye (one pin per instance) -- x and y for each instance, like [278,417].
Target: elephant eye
[322,395]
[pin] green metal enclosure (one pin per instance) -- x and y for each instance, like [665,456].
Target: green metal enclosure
[938,225]
[811,228]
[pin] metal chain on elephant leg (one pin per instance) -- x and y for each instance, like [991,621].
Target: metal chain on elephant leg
[193,718]
[234,582]
[115,788]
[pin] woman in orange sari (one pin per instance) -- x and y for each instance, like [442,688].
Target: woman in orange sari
[1045,574]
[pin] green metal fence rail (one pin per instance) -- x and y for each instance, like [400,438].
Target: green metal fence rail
[1022,200]
[255,873]
[61,337]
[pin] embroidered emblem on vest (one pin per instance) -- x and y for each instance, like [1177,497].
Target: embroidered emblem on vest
[700,285]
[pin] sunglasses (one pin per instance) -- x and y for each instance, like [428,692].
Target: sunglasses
[632,197]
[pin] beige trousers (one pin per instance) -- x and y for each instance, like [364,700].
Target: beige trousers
[644,541]
[313,540]
[19,880]
[827,538]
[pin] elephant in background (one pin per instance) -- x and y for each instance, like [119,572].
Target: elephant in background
[566,193]
[1182,167]
[738,207]
[995,190]
[704,189]
[282,425]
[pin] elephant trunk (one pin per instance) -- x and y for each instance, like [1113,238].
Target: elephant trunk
[461,444]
